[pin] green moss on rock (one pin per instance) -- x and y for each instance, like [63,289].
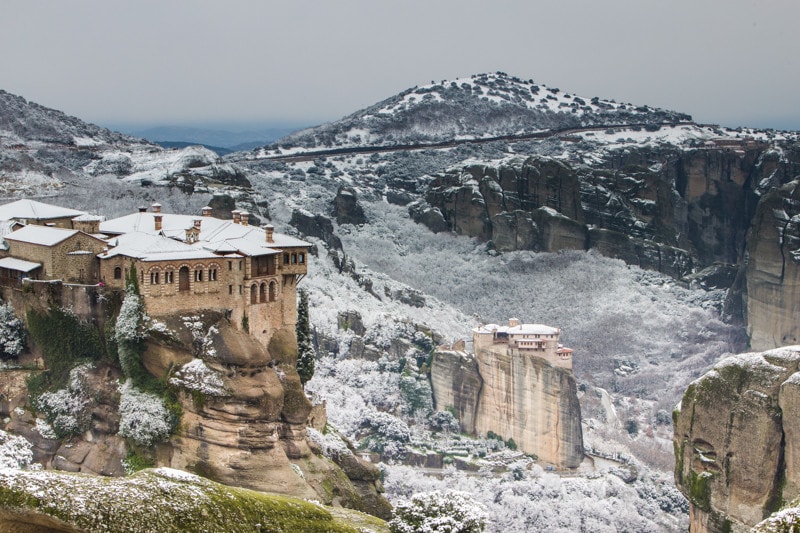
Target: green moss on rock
[165,500]
[700,489]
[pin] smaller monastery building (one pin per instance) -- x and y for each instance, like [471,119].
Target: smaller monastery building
[524,340]
[184,263]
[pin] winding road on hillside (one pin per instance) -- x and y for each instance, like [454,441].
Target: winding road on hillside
[544,134]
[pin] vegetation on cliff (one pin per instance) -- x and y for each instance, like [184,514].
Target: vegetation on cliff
[305,350]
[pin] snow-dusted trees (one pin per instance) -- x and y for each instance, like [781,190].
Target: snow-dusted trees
[129,331]
[305,350]
[12,333]
[438,512]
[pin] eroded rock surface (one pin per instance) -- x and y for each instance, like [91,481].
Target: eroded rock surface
[523,398]
[737,439]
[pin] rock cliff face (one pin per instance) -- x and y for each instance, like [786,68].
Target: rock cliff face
[773,270]
[243,423]
[737,439]
[520,398]
[658,208]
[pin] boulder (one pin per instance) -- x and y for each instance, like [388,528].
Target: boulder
[346,209]
[737,439]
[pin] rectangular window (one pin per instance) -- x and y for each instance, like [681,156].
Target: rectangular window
[285,259]
[294,259]
[240,289]
[301,258]
[230,289]
[230,265]
[240,265]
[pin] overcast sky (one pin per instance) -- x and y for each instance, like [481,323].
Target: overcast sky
[732,62]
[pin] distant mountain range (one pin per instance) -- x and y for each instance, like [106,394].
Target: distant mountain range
[222,141]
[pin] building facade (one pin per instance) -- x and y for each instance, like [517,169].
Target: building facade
[184,263]
[523,340]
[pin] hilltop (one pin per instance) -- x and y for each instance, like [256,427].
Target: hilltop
[478,107]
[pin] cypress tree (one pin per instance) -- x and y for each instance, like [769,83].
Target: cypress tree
[305,350]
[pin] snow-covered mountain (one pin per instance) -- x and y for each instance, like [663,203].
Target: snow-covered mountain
[43,151]
[482,106]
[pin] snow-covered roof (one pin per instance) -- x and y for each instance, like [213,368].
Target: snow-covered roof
[33,210]
[12,263]
[7,226]
[149,247]
[86,217]
[521,329]
[42,235]
[216,235]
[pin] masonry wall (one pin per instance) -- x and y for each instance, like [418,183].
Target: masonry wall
[57,264]
[234,290]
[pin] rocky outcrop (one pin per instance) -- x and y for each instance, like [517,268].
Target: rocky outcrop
[456,383]
[243,422]
[346,209]
[737,440]
[523,398]
[773,270]
[160,499]
[316,226]
[667,209]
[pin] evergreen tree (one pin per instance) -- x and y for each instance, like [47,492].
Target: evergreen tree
[305,351]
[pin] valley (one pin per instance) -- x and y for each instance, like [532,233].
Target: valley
[656,245]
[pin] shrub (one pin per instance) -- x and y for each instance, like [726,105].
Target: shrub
[12,333]
[432,512]
[68,410]
[15,452]
[143,416]
[443,421]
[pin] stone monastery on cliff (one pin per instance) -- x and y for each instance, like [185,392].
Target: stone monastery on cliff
[534,340]
[185,263]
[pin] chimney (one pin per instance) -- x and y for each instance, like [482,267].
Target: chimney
[157,219]
[207,211]
[269,229]
[142,209]
[197,223]
[156,208]
[245,218]
[237,216]
[513,322]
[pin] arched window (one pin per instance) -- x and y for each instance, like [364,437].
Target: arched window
[183,278]
[273,291]
[254,294]
[169,276]
[262,293]
[117,272]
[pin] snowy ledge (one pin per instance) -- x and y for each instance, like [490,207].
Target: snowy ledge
[162,500]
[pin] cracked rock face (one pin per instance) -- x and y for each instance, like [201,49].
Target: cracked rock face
[521,398]
[737,440]
[773,270]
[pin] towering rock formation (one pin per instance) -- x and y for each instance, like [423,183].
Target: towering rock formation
[737,440]
[773,269]
[519,385]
